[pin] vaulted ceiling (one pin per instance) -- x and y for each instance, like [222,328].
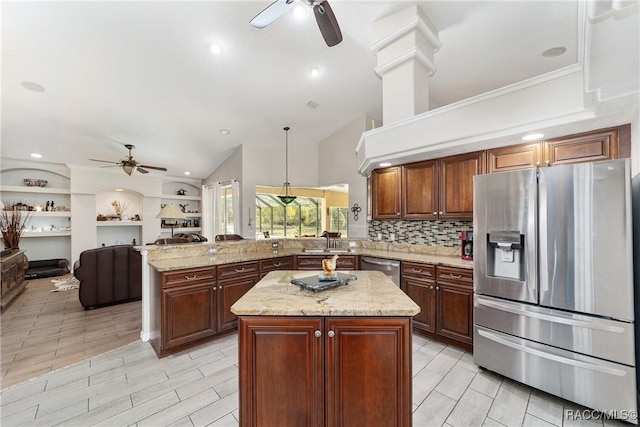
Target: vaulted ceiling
[142,73]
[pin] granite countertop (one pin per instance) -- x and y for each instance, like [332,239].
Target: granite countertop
[218,259]
[372,294]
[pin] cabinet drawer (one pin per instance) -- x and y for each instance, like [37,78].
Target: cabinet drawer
[456,275]
[238,269]
[282,263]
[190,276]
[347,263]
[420,270]
[310,262]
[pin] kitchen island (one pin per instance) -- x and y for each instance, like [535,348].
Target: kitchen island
[337,357]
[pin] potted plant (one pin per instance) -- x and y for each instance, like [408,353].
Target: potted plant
[12,225]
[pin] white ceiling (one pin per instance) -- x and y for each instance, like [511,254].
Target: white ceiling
[141,73]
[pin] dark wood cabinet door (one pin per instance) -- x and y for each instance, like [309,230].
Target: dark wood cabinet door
[456,184]
[368,372]
[420,190]
[515,157]
[385,193]
[585,147]
[188,313]
[423,293]
[230,291]
[281,371]
[455,311]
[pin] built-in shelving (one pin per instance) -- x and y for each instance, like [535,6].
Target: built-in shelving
[178,197]
[32,234]
[63,214]
[118,223]
[39,190]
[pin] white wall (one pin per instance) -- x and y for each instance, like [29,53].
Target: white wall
[338,163]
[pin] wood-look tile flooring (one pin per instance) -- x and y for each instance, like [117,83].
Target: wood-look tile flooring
[131,386]
[42,331]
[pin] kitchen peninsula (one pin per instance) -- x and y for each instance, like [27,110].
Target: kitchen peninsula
[339,354]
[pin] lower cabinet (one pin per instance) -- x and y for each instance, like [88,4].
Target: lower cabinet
[272,264]
[329,371]
[314,262]
[445,297]
[195,304]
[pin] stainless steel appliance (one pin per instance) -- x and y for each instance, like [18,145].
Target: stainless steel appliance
[553,281]
[389,267]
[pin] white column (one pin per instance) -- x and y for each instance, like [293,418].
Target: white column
[405,43]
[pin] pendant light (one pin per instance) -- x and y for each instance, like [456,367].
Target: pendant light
[286,198]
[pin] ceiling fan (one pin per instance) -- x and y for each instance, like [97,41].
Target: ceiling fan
[129,165]
[325,18]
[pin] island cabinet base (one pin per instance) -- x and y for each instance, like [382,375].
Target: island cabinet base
[325,371]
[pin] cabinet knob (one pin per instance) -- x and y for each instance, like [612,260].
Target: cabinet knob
[194,277]
[397,213]
[331,334]
[547,161]
[318,334]
[431,287]
[437,288]
[214,288]
[440,213]
[435,213]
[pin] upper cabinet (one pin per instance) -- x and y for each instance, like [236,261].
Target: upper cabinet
[429,190]
[604,144]
[385,193]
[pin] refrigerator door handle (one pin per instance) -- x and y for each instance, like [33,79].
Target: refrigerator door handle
[550,318]
[542,237]
[532,238]
[545,355]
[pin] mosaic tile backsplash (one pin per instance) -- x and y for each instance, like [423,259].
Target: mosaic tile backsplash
[432,233]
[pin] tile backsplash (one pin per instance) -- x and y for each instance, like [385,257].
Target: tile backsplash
[432,233]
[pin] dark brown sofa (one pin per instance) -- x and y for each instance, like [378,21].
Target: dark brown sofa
[109,275]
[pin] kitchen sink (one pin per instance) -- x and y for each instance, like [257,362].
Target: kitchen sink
[326,251]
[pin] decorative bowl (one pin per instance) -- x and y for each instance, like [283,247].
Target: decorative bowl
[32,182]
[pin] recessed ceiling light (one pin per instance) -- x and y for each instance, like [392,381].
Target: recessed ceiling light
[187,173]
[215,48]
[32,86]
[532,136]
[314,72]
[554,51]
[119,189]
[225,131]
[36,155]
[385,164]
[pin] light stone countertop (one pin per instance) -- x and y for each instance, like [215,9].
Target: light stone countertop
[372,294]
[218,259]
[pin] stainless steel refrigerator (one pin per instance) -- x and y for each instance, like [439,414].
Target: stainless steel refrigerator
[553,282]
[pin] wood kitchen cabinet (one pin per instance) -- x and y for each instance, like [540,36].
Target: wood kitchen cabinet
[314,262]
[445,297]
[330,371]
[234,280]
[420,190]
[419,283]
[272,264]
[187,315]
[456,184]
[429,190]
[603,144]
[386,193]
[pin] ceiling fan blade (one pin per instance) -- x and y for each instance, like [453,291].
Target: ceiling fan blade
[152,167]
[112,166]
[106,161]
[141,170]
[327,23]
[272,12]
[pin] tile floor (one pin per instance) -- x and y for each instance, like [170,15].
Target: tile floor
[131,386]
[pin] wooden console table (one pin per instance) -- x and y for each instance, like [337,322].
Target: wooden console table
[13,282]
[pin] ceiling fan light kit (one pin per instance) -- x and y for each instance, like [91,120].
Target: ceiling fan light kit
[128,165]
[325,18]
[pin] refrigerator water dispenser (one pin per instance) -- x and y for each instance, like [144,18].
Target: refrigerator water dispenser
[505,254]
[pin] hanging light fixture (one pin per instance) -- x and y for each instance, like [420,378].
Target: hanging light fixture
[286,198]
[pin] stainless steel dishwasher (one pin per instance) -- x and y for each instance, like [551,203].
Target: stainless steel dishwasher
[388,266]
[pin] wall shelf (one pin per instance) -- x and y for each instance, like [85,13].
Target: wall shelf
[181,229]
[35,234]
[41,190]
[118,223]
[63,214]
[177,197]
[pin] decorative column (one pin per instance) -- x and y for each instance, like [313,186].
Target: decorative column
[406,43]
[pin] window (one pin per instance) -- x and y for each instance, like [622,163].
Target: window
[339,218]
[228,205]
[300,218]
